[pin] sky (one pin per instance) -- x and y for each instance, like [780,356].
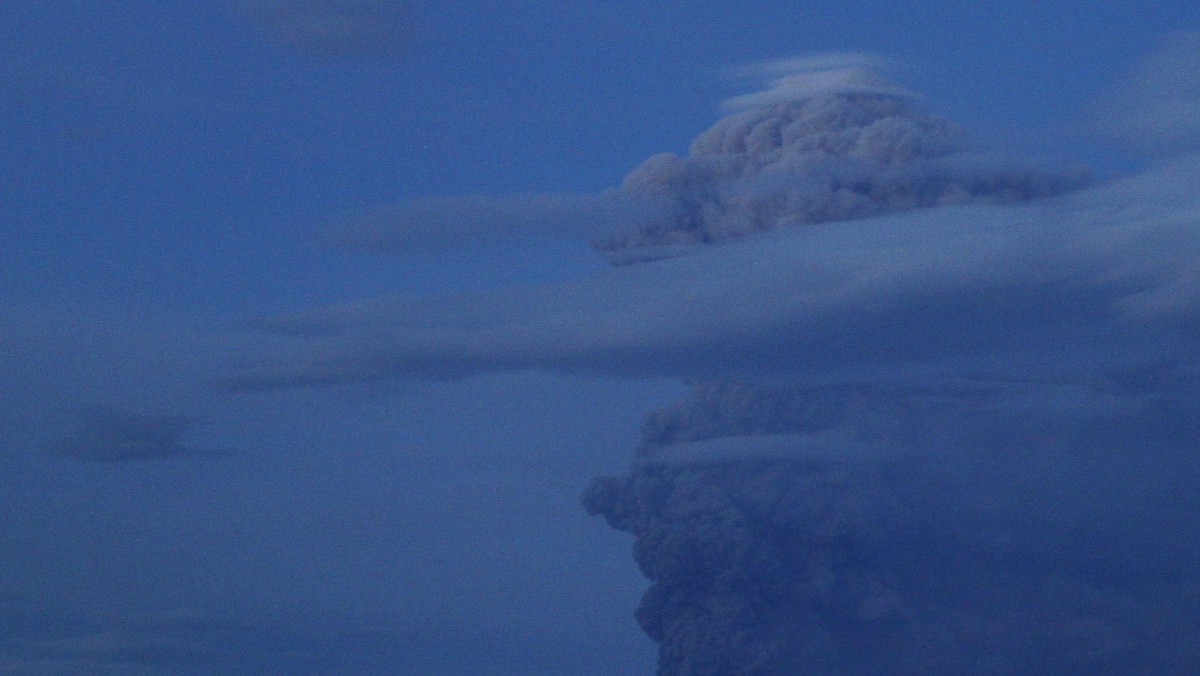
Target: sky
[307,359]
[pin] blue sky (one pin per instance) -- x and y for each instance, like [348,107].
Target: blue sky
[175,170]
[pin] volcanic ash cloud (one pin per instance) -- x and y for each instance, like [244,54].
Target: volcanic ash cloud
[831,145]
[1011,519]
[937,425]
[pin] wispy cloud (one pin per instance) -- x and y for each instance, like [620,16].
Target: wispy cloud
[439,223]
[103,434]
[333,27]
[1155,107]
[36,641]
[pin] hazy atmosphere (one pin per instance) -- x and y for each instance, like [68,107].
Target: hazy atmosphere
[403,337]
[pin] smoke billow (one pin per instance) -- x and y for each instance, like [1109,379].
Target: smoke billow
[828,143]
[831,139]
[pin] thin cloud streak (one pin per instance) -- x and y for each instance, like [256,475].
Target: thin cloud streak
[34,640]
[444,223]
[104,434]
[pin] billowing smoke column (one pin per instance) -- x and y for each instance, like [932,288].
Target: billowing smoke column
[827,531]
[849,145]
[977,527]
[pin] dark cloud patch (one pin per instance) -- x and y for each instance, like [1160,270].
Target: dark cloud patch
[104,434]
[324,28]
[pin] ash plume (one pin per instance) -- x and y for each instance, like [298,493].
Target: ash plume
[979,525]
[830,140]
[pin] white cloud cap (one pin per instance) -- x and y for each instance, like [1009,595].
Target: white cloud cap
[804,77]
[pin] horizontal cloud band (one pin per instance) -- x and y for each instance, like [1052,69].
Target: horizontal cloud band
[1105,278]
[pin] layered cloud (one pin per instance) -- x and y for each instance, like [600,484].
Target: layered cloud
[1102,279]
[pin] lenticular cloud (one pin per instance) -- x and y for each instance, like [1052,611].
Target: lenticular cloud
[943,410]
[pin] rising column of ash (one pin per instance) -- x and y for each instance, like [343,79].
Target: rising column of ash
[888,527]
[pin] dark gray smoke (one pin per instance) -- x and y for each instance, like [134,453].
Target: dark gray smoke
[1021,547]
